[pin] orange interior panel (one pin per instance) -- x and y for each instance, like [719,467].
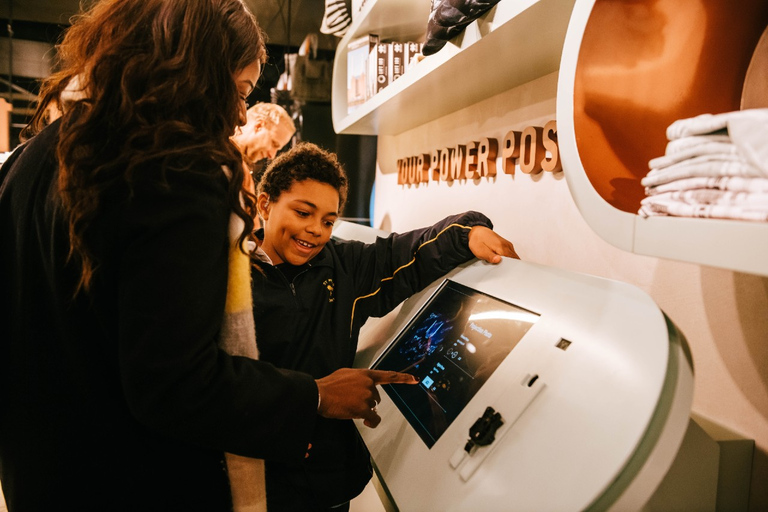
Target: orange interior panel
[646,63]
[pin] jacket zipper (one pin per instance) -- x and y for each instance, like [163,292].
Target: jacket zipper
[290,283]
[293,288]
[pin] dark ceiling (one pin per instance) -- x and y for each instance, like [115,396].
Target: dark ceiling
[273,15]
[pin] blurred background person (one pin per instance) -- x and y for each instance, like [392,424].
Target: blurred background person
[268,129]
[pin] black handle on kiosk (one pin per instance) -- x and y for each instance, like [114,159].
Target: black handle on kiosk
[483,431]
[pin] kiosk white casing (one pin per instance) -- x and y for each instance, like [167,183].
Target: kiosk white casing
[597,428]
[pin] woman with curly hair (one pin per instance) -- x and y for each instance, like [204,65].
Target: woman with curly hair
[117,223]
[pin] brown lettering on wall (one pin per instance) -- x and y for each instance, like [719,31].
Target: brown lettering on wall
[409,170]
[434,167]
[457,162]
[510,151]
[423,165]
[552,164]
[470,160]
[402,171]
[532,150]
[445,164]
[413,170]
[486,157]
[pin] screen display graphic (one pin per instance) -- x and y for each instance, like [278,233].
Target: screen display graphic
[452,345]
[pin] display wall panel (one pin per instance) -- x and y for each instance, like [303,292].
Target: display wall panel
[628,70]
[722,312]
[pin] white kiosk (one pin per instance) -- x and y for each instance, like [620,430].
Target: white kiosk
[541,390]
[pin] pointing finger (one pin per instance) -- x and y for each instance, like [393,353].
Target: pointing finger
[391,377]
[372,419]
[508,250]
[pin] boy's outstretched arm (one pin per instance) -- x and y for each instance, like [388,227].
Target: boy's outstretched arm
[351,393]
[487,245]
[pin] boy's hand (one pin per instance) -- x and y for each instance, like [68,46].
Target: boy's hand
[487,245]
[349,393]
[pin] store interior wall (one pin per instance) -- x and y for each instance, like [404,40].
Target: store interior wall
[723,314]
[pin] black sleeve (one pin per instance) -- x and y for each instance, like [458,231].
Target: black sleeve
[172,289]
[9,161]
[394,268]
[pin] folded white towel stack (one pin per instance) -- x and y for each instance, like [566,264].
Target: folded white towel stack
[715,166]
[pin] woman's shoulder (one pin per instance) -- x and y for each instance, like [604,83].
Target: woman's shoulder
[194,200]
[194,177]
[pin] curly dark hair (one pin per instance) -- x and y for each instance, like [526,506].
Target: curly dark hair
[157,87]
[305,161]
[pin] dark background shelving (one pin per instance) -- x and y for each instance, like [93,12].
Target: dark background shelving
[285,22]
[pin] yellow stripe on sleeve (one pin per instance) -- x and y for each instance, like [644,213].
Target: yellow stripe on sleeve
[354,304]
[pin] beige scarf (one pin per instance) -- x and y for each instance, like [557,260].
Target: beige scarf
[238,338]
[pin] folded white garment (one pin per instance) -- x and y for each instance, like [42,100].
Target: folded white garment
[713,211]
[686,143]
[704,196]
[732,183]
[705,166]
[701,159]
[714,166]
[750,135]
[708,148]
[710,123]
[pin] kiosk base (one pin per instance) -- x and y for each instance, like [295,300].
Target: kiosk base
[592,381]
[711,472]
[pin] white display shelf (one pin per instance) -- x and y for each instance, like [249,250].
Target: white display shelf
[626,73]
[513,43]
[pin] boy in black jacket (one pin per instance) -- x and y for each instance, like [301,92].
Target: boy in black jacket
[312,295]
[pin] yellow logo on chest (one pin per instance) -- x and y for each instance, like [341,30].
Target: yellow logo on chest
[328,283]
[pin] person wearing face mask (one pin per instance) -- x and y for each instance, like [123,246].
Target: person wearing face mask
[119,221]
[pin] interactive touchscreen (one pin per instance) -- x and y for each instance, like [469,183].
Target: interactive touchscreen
[452,345]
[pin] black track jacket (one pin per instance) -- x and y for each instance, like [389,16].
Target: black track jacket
[311,322]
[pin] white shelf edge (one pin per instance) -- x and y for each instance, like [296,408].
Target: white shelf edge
[529,34]
[736,245]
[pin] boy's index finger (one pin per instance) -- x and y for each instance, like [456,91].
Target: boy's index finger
[391,377]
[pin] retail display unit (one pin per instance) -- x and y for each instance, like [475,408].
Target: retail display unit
[628,71]
[513,43]
[625,71]
[540,389]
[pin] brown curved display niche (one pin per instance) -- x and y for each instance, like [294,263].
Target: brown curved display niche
[643,65]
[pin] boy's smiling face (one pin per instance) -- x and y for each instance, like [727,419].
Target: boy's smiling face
[299,223]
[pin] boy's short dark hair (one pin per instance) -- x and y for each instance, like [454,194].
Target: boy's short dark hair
[305,161]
